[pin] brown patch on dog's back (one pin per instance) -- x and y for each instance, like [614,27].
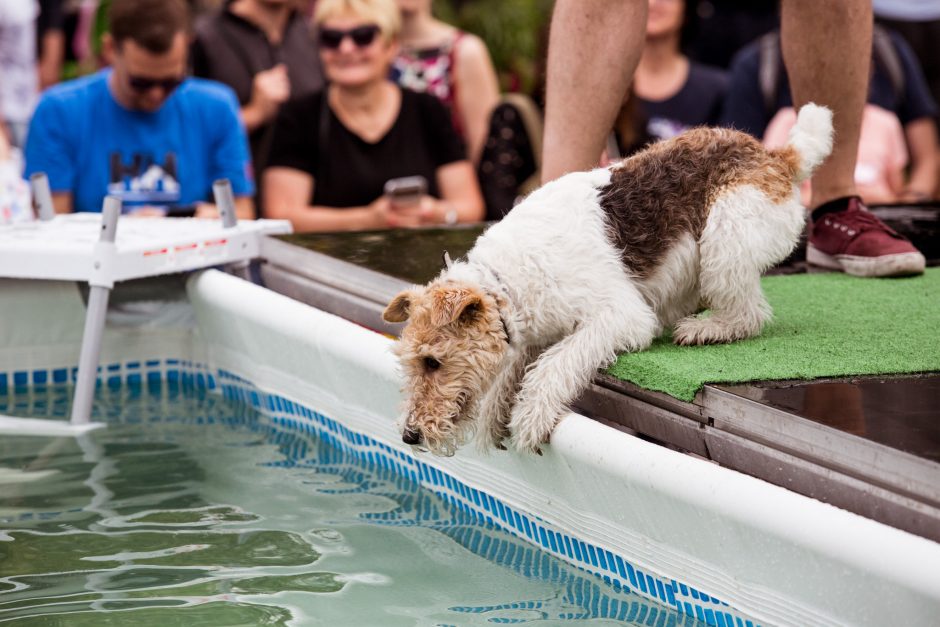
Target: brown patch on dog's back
[665,191]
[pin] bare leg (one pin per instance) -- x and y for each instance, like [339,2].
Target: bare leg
[832,72]
[594,48]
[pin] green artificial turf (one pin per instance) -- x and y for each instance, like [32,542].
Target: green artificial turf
[825,325]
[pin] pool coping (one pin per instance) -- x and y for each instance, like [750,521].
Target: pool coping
[856,474]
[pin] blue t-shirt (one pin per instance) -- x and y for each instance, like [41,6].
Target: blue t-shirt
[90,145]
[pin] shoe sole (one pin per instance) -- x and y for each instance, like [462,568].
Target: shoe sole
[901,264]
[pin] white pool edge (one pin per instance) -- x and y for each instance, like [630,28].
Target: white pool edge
[744,545]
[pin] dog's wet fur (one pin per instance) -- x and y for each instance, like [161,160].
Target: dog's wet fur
[597,263]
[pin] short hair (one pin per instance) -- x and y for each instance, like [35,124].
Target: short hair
[384,13]
[152,24]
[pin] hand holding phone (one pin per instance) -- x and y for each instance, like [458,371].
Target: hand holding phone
[405,193]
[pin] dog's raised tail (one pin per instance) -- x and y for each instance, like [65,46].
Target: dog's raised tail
[811,137]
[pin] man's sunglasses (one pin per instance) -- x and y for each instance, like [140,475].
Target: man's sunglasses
[362,36]
[141,84]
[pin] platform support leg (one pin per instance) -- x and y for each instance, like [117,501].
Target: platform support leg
[42,196]
[90,354]
[225,202]
[94,326]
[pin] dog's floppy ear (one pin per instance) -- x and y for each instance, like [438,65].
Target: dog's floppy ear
[400,308]
[455,303]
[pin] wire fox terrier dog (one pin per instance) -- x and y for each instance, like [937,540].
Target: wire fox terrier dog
[597,263]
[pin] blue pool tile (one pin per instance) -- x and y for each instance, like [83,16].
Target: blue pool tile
[593,554]
[660,590]
[670,594]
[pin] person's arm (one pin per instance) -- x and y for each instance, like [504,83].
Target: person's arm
[50,26]
[922,144]
[269,90]
[53,55]
[594,48]
[287,194]
[461,200]
[49,149]
[477,92]
[230,157]
[62,202]
[4,141]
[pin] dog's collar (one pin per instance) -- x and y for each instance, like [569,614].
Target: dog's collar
[502,287]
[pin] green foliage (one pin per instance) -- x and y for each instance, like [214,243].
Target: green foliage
[515,31]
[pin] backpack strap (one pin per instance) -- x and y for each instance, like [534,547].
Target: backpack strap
[768,73]
[770,64]
[886,56]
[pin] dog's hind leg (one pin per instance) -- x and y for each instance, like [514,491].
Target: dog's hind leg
[562,372]
[745,235]
[494,408]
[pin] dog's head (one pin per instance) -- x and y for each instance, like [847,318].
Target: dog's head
[450,351]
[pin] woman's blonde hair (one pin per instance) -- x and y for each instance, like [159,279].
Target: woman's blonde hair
[384,13]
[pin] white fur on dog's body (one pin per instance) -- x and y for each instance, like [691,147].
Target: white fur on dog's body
[569,302]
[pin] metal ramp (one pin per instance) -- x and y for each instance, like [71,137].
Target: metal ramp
[100,250]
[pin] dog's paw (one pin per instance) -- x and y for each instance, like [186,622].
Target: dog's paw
[530,429]
[695,331]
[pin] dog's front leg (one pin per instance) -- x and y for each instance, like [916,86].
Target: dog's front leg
[562,372]
[494,409]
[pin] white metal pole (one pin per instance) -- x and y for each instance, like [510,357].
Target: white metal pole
[94,325]
[225,201]
[42,196]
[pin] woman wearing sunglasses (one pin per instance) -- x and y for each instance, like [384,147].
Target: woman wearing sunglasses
[334,152]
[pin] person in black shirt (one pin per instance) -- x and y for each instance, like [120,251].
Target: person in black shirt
[333,152]
[264,50]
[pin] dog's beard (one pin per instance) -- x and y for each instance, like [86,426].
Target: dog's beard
[444,437]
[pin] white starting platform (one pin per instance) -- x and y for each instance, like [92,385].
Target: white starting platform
[92,248]
[69,247]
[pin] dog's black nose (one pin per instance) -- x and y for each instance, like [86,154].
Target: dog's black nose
[411,437]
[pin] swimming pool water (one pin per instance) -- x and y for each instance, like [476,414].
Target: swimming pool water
[189,509]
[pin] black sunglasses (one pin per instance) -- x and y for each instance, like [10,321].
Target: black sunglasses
[362,36]
[141,84]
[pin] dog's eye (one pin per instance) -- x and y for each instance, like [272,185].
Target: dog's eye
[431,364]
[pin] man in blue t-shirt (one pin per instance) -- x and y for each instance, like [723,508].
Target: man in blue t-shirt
[142,130]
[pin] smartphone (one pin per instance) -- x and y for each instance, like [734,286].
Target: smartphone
[406,190]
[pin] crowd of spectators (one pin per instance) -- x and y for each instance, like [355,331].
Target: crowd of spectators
[310,107]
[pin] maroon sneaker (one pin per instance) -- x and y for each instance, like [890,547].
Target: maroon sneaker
[856,242]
